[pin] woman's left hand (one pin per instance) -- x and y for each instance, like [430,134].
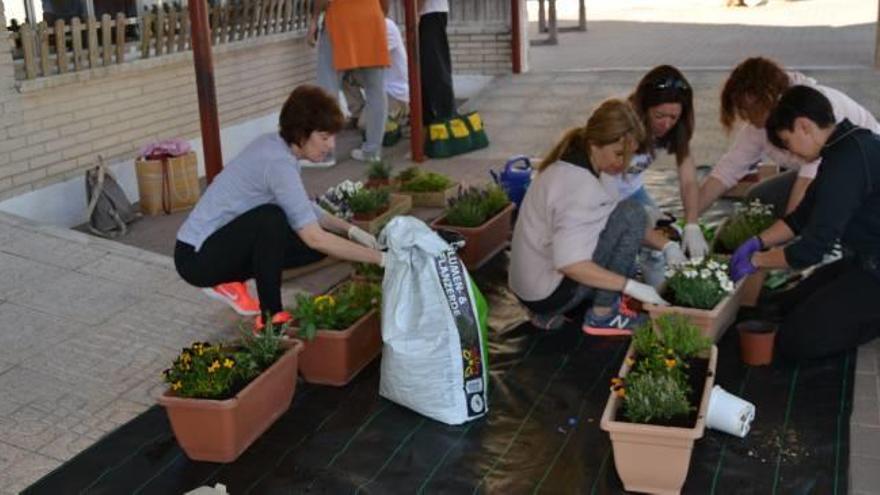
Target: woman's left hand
[673,254]
[363,237]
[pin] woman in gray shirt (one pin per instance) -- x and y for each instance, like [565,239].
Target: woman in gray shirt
[255,219]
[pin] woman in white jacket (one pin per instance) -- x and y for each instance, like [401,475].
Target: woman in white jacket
[749,94]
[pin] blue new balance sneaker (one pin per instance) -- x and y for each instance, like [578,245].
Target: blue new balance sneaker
[620,321]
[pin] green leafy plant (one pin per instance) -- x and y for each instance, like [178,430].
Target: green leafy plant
[699,283]
[379,170]
[656,387]
[219,371]
[368,200]
[369,271]
[651,396]
[427,182]
[408,174]
[337,310]
[747,221]
[474,206]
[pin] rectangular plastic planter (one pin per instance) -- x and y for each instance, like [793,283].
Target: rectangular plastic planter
[436,199]
[484,242]
[220,430]
[335,357]
[653,458]
[713,322]
[399,204]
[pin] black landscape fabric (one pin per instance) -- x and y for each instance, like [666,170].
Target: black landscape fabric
[546,396]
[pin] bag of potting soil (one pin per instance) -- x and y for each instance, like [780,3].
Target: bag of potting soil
[434,328]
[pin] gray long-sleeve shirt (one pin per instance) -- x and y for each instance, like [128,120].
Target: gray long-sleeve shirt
[265,172]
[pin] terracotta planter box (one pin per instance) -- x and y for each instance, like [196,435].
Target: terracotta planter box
[713,322]
[483,242]
[398,205]
[366,217]
[751,289]
[335,357]
[742,187]
[652,458]
[378,183]
[438,199]
[220,430]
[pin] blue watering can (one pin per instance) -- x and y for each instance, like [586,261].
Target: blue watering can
[515,178]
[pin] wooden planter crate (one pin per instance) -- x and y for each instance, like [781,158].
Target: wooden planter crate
[220,430]
[653,458]
[399,204]
[484,242]
[438,199]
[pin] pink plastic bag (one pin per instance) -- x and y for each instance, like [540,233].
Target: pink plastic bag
[164,149]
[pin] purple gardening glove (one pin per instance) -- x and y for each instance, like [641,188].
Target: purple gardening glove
[741,262]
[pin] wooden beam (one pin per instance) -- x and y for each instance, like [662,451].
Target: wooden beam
[204,67]
[415,81]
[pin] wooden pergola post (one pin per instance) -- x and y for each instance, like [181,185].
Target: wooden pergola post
[204,66]
[414,65]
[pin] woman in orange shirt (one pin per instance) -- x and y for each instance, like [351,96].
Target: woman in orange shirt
[354,39]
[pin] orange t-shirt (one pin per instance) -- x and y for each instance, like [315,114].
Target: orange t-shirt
[357,31]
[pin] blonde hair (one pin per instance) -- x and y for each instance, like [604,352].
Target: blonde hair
[612,121]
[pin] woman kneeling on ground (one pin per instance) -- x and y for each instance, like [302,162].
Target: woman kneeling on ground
[574,240]
[255,219]
[664,102]
[835,309]
[749,94]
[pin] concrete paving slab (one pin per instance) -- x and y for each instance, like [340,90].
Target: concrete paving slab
[19,468]
[27,332]
[864,474]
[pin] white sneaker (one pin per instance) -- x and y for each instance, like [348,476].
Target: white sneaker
[362,156]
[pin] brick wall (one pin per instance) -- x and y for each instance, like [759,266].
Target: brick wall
[480,50]
[52,129]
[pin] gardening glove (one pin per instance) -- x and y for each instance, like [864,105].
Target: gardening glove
[694,242]
[363,237]
[741,262]
[643,292]
[673,254]
[384,259]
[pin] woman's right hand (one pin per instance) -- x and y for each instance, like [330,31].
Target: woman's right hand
[643,292]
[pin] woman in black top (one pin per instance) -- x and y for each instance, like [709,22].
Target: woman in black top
[838,307]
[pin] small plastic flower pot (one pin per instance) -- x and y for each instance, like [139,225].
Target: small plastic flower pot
[756,342]
[729,413]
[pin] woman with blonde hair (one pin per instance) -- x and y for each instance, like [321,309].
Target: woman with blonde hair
[574,239]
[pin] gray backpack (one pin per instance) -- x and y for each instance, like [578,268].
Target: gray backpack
[109,211]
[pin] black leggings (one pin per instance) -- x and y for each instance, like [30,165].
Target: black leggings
[834,310]
[259,244]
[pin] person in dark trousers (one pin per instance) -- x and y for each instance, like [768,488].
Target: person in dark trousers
[255,219]
[835,309]
[438,99]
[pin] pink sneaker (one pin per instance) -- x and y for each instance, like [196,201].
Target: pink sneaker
[236,295]
[280,318]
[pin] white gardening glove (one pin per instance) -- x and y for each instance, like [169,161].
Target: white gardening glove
[383,260]
[363,237]
[673,254]
[694,242]
[643,292]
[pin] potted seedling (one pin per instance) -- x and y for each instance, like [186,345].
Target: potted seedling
[368,272]
[341,331]
[483,217]
[222,397]
[658,403]
[429,189]
[747,221]
[378,174]
[701,290]
[367,204]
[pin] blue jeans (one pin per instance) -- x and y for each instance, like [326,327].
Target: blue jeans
[651,261]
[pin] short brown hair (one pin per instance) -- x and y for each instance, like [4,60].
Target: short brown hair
[666,84]
[309,109]
[761,80]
